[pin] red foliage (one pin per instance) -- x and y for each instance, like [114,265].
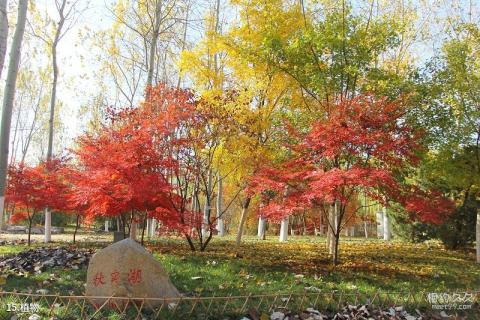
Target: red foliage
[427,206]
[129,165]
[361,147]
[32,189]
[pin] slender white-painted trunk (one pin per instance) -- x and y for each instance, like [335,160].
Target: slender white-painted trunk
[153,227]
[379,224]
[386,226]
[106,225]
[149,228]
[365,229]
[478,235]
[261,228]
[221,227]
[48,225]
[283,230]
[220,224]
[283,237]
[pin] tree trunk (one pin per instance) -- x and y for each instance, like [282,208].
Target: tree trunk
[243,217]
[184,42]
[48,216]
[477,231]
[30,220]
[366,229]
[106,225]
[283,237]
[153,45]
[190,242]
[53,100]
[153,226]
[124,227]
[261,228]
[8,98]
[304,224]
[14,138]
[386,226]
[329,235]
[220,224]
[221,227]
[143,229]
[77,224]
[149,228]
[330,229]
[206,242]
[48,225]
[207,206]
[335,249]
[379,222]
[133,227]
[2,213]
[133,230]
[3,33]
[293,226]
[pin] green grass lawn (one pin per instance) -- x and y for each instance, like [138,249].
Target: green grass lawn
[271,267]
[302,264]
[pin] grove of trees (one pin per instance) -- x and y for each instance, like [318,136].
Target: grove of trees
[198,118]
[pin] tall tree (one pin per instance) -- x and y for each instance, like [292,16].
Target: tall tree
[68,13]
[138,49]
[8,99]
[449,110]
[3,33]
[243,90]
[30,111]
[157,18]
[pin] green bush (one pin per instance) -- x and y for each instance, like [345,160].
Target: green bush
[459,229]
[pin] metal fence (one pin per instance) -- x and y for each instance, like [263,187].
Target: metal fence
[24,305]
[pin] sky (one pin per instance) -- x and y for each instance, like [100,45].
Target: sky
[76,63]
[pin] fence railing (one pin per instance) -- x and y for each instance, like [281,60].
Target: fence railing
[23,305]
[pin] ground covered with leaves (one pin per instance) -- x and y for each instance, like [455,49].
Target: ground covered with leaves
[268,267]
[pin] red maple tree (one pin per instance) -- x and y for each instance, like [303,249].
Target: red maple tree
[362,147]
[139,165]
[31,189]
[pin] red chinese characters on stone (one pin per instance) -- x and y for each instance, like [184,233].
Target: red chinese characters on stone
[99,279]
[115,277]
[134,276]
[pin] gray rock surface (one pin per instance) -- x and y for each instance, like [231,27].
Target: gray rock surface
[126,269]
